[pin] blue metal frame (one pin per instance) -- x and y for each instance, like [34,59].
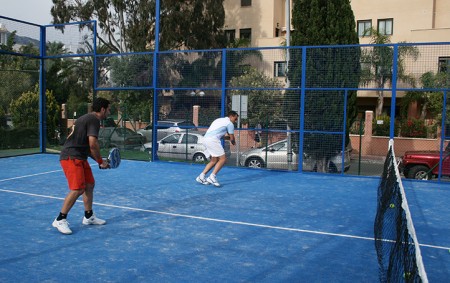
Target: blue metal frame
[155,83]
[42,97]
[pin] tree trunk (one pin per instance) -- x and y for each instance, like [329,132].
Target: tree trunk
[380,101]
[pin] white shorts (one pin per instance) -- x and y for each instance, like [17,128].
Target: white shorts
[213,147]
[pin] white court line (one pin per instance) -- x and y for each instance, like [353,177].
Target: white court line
[220,220]
[32,175]
[37,174]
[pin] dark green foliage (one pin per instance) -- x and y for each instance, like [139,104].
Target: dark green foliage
[194,24]
[25,112]
[317,23]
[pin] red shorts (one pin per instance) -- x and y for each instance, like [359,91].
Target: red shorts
[78,173]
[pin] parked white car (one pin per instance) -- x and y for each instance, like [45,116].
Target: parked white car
[274,156]
[183,146]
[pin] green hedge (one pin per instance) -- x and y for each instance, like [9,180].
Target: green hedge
[19,138]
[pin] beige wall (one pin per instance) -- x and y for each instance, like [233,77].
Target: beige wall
[414,20]
[262,17]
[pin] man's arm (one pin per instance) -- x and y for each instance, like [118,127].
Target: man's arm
[232,139]
[95,152]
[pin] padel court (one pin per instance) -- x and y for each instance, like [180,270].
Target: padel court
[162,226]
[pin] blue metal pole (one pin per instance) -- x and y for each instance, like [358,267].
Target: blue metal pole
[155,83]
[95,61]
[344,132]
[224,82]
[302,111]
[443,135]
[42,97]
[394,91]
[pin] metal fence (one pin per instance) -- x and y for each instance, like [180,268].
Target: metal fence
[330,109]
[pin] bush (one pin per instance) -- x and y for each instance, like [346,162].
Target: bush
[413,128]
[383,129]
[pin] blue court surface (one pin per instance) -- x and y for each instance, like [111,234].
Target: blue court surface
[162,226]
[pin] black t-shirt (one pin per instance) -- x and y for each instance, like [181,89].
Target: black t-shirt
[77,143]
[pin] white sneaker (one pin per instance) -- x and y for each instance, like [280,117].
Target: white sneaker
[202,180]
[213,180]
[93,220]
[62,226]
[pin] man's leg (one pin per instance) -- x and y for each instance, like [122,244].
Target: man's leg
[210,164]
[70,200]
[219,164]
[88,199]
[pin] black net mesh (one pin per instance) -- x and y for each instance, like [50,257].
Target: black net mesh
[396,244]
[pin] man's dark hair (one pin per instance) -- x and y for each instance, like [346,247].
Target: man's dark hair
[100,103]
[232,113]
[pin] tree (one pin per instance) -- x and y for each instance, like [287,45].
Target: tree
[378,64]
[264,106]
[430,102]
[18,74]
[25,111]
[129,25]
[323,22]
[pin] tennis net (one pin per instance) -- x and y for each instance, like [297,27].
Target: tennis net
[398,251]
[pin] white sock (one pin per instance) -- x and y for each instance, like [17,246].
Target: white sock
[202,175]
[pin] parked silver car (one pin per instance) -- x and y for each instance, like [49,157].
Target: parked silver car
[166,127]
[183,146]
[274,156]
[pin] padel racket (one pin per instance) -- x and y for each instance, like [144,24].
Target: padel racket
[113,158]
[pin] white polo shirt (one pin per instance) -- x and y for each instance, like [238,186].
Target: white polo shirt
[219,128]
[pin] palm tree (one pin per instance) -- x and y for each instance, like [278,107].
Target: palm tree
[377,64]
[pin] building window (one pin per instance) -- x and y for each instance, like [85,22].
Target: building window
[444,65]
[230,35]
[245,3]
[385,26]
[364,28]
[279,69]
[245,33]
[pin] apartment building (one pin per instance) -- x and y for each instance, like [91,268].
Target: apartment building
[264,23]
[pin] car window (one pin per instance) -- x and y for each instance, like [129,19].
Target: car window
[149,127]
[172,138]
[190,139]
[279,146]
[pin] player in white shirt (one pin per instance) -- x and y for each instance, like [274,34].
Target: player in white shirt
[218,129]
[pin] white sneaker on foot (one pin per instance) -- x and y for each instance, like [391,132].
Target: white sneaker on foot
[202,180]
[62,226]
[213,180]
[93,220]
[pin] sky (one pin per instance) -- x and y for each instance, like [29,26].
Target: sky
[33,11]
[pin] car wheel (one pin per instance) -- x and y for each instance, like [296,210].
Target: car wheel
[255,162]
[419,172]
[199,158]
[332,168]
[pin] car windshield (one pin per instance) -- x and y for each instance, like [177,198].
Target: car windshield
[278,146]
[122,132]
